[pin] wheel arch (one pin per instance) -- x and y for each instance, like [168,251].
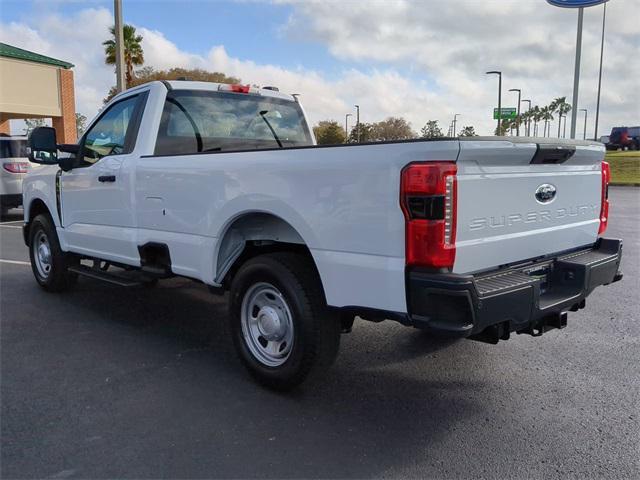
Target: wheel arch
[252,233]
[36,207]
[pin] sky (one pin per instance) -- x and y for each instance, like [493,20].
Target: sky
[419,59]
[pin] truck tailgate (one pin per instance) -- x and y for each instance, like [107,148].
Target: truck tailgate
[522,199]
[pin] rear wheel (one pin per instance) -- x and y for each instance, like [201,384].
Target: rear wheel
[48,262]
[281,326]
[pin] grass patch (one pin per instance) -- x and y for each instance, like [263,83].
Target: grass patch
[625,167]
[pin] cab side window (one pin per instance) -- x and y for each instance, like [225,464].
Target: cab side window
[108,135]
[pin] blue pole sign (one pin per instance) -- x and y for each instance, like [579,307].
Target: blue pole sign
[575,3]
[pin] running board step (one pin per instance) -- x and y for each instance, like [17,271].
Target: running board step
[105,276]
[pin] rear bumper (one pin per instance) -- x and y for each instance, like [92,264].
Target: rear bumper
[526,299]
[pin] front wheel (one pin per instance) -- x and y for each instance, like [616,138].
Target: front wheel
[281,326]
[48,262]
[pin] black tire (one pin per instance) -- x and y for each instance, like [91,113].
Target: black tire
[316,329]
[58,278]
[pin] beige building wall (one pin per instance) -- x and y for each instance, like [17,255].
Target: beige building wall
[28,89]
[34,90]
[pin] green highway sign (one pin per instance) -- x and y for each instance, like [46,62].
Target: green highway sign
[510,113]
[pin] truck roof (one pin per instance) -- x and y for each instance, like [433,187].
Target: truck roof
[214,87]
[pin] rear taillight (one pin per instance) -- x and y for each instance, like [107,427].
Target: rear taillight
[16,167]
[428,200]
[604,204]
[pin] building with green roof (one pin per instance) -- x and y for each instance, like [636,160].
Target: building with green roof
[34,85]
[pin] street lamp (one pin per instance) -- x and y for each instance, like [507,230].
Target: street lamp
[584,131]
[495,72]
[529,121]
[455,120]
[346,129]
[604,17]
[358,122]
[518,122]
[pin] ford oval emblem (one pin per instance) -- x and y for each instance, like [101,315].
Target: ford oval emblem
[545,193]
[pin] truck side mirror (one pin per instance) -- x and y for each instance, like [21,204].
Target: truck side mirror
[43,147]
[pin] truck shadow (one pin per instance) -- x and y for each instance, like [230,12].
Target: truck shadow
[192,411]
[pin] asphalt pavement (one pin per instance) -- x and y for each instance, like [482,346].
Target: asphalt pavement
[144,383]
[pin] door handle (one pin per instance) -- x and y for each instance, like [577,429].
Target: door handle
[107,178]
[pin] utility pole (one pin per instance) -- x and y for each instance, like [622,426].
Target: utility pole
[346,129]
[358,122]
[604,17]
[121,83]
[576,74]
[495,72]
[455,120]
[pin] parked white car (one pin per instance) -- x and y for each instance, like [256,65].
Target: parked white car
[14,167]
[472,237]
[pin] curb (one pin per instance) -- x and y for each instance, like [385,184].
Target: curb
[618,184]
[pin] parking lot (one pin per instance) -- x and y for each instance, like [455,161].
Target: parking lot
[144,382]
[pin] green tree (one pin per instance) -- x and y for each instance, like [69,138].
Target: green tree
[133,54]
[536,116]
[468,131]
[81,124]
[431,130]
[31,123]
[366,133]
[149,74]
[329,132]
[547,116]
[393,128]
[561,107]
[505,126]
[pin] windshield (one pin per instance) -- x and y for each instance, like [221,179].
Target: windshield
[13,149]
[197,121]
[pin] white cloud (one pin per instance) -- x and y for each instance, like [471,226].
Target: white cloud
[454,43]
[76,39]
[447,45]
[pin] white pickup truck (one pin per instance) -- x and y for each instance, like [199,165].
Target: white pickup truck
[475,237]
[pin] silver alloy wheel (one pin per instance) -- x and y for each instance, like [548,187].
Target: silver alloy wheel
[267,324]
[42,254]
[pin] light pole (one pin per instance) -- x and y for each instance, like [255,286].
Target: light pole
[495,72]
[121,83]
[358,122]
[604,16]
[346,129]
[455,120]
[576,74]
[528,108]
[584,131]
[518,122]
[580,5]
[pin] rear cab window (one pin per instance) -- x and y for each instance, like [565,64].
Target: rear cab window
[195,121]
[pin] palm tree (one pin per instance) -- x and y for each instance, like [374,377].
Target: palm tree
[536,116]
[524,117]
[547,116]
[133,54]
[561,107]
